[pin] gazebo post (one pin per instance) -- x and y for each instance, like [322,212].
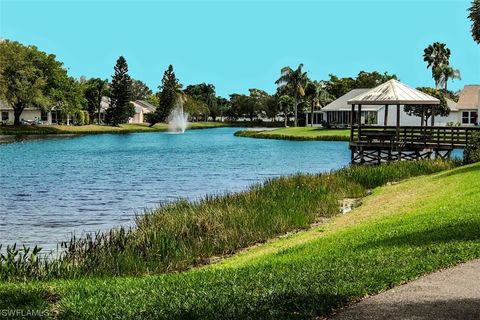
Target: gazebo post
[433,115]
[423,116]
[385,119]
[359,119]
[351,122]
[398,131]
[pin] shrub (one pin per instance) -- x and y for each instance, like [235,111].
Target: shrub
[79,118]
[151,118]
[86,119]
[471,153]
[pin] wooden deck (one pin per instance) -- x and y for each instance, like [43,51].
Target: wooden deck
[375,144]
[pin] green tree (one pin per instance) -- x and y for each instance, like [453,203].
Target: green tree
[337,87]
[271,107]
[120,109]
[295,82]
[32,78]
[286,103]
[425,111]
[95,89]
[69,97]
[437,56]
[195,108]
[371,79]
[222,106]
[474,16]
[256,103]
[317,96]
[205,93]
[169,92]
[242,106]
[140,91]
[153,99]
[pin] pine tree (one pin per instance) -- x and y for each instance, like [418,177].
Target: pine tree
[168,94]
[120,107]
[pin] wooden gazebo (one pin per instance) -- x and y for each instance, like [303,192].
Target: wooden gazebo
[375,144]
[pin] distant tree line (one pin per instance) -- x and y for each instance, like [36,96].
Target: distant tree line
[30,78]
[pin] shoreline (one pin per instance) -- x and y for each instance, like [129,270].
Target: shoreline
[54,130]
[270,134]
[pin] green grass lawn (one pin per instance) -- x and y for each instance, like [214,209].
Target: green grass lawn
[400,232]
[95,129]
[298,133]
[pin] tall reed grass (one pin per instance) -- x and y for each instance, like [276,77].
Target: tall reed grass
[183,234]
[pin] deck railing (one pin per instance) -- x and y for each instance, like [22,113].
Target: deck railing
[414,136]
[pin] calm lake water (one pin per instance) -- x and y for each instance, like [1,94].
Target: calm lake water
[52,188]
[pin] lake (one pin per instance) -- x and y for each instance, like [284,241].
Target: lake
[52,188]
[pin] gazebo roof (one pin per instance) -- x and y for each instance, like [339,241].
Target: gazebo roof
[393,92]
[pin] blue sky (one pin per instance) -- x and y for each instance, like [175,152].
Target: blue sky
[237,45]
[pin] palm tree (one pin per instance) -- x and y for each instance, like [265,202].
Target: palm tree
[475,17]
[318,95]
[436,55]
[294,81]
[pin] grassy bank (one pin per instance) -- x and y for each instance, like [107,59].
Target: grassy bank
[298,133]
[399,233]
[97,129]
[184,234]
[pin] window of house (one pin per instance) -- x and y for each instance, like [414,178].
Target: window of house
[469,117]
[4,115]
[44,116]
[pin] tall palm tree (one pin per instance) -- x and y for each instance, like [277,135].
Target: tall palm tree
[318,95]
[475,17]
[294,81]
[447,72]
[436,55]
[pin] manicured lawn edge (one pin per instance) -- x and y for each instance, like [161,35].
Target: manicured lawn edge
[96,129]
[272,135]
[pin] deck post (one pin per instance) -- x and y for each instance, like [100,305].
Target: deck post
[385,118]
[351,122]
[359,120]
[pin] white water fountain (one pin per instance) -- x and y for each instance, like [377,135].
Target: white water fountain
[178,120]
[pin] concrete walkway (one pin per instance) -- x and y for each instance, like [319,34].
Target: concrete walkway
[449,294]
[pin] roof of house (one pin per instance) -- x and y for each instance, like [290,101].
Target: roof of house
[138,104]
[147,107]
[469,97]
[341,104]
[452,105]
[393,92]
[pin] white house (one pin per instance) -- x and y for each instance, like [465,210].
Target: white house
[468,105]
[141,108]
[337,113]
[37,116]
[29,115]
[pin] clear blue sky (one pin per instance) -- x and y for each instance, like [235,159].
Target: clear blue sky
[241,45]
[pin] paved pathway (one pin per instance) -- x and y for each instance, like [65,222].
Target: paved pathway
[449,294]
